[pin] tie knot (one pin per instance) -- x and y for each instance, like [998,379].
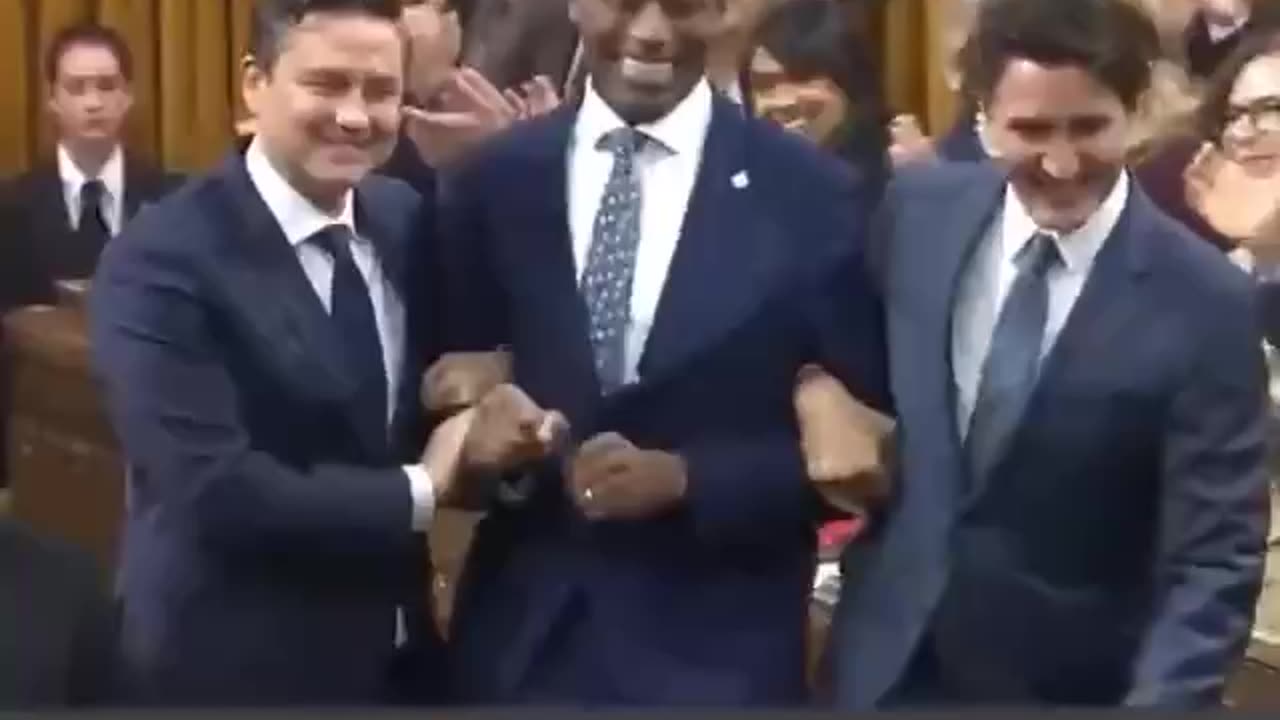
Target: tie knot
[623,142]
[93,190]
[334,239]
[1039,254]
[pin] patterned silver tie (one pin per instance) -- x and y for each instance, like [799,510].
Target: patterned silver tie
[611,260]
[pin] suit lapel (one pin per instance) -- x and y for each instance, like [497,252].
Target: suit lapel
[51,200]
[276,296]
[971,215]
[540,261]
[137,187]
[724,237]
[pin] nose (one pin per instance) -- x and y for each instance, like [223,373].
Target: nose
[1241,130]
[93,100]
[650,30]
[353,114]
[1061,160]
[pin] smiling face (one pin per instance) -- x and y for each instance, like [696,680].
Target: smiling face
[645,55]
[1251,130]
[814,107]
[1062,135]
[327,110]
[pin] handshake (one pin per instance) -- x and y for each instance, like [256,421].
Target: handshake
[495,427]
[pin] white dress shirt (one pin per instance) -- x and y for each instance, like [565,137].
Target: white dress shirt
[112,177]
[991,272]
[299,220]
[667,176]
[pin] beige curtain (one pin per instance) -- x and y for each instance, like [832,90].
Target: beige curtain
[186,78]
[911,53]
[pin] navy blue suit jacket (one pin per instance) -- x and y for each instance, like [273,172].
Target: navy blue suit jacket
[1115,553]
[705,604]
[267,537]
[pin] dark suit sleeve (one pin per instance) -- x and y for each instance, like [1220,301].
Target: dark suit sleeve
[22,276]
[848,310]
[1213,517]
[96,672]
[175,408]
[749,491]
[468,308]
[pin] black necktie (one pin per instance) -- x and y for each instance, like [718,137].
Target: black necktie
[351,309]
[92,226]
[1012,363]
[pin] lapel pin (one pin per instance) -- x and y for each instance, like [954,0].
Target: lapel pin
[740,179]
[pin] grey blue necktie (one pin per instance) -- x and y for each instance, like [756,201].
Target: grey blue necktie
[611,260]
[1012,363]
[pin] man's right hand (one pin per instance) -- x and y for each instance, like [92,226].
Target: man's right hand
[508,430]
[460,379]
[847,446]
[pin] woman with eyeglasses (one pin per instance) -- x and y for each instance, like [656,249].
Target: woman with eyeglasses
[1234,181]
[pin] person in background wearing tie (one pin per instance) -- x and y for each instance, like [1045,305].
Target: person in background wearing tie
[58,216]
[660,266]
[1082,508]
[260,335]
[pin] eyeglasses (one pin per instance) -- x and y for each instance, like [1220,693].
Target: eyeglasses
[1263,116]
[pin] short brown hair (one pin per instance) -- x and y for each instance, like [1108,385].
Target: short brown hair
[87,34]
[1217,95]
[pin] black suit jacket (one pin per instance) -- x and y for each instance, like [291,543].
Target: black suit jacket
[57,625]
[37,245]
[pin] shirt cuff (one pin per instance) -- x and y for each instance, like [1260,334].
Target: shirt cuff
[423,492]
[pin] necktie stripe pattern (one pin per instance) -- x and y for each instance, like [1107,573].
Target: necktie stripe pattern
[1011,367]
[611,259]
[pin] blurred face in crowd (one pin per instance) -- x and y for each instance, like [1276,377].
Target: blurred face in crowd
[1223,12]
[1062,134]
[89,98]
[1251,131]
[435,40]
[328,109]
[645,55]
[814,108]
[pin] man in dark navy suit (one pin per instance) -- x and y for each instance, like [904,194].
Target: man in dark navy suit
[1082,507]
[56,218]
[260,338]
[660,267]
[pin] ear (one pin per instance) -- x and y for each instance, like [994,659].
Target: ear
[252,81]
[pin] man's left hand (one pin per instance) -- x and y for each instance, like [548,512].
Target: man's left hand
[612,479]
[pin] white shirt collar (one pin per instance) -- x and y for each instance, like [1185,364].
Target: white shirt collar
[298,217]
[682,130]
[111,175]
[1079,247]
